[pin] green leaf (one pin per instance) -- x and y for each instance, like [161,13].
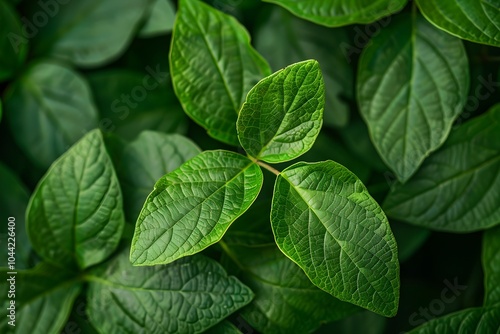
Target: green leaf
[457,188]
[339,13]
[88,33]
[13,203]
[413,82]
[491,266]
[130,102]
[145,160]
[192,207]
[50,107]
[473,20]
[225,327]
[161,19]
[43,300]
[474,320]
[13,44]
[285,299]
[187,296]
[213,67]
[283,113]
[325,220]
[285,39]
[75,215]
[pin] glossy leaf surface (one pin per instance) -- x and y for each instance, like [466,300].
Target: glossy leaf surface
[192,207]
[325,220]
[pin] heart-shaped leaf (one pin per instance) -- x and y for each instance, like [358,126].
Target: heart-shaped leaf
[325,220]
[192,207]
[413,81]
[213,67]
[75,215]
[283,113]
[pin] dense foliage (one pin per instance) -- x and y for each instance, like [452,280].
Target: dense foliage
[238,166]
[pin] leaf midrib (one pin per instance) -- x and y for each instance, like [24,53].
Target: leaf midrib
[102,281]
[216,63]
[311,209]
[175,255]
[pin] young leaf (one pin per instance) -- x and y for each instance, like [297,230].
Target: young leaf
[75,214]
[473,20]
[457,188]
[50,107]
[187,296]
[283,113]
[491,266]
[43,300]
[473,320]
[13,44]
[192,207]
[88,33]
[161,19]
[285,39]
[339,13]
[325,220]
[213,67]
[285,299]
[130,102]
[413,81]
[145,160]
[13,202]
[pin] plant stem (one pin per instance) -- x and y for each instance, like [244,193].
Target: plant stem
[266,166]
